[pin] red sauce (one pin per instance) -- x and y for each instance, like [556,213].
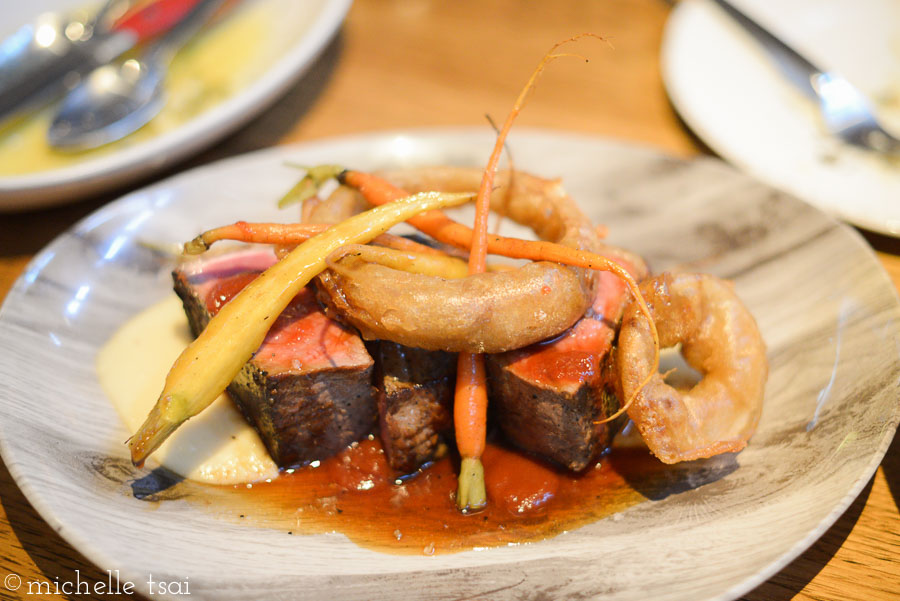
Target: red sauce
[552,366]
[574,357]
[227,288]
[519,484]
[355,494]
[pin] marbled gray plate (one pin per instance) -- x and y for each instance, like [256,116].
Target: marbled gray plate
[827,310]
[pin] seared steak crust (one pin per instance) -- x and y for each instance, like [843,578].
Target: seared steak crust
[415,402]
[302,417]
[553,421]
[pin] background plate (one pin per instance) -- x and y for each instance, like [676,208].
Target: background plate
[827,310]
[732,95]
[286,37]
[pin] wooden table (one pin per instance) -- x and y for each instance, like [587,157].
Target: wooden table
[411,63]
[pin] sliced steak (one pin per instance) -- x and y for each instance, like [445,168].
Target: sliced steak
[307,390]
[548,396]
[415,402]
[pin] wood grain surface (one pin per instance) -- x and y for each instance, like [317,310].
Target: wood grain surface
[411,63]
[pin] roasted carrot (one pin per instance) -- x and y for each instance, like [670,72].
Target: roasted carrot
[470,423]
[438,265]
[290,234]
[470,401]
[262,233]
[434,223]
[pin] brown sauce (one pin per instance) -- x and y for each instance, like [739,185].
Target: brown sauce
[355,494]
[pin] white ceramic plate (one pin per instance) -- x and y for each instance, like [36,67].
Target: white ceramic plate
[728,90]
[286,37]
[827,310]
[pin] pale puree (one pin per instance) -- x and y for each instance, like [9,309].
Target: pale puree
[210,69]
[217,446]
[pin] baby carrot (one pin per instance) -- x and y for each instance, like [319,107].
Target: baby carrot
[290,234]
[263,233]
[470,422]
[438,265]
[470,401]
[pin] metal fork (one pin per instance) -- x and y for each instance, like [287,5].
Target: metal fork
[846,111]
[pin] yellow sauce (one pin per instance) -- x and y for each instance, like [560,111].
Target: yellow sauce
[215,447]
[206,72]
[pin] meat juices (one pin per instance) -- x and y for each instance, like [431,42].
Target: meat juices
[307,390]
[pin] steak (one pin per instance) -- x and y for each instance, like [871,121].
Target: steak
[547,397]
[415,402]
[307,390]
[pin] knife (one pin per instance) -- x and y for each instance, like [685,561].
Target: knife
[43,59]
[846,111]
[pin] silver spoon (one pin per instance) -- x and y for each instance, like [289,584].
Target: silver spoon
[120,98]
[846,112]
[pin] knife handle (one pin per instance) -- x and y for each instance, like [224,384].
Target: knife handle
[153,19]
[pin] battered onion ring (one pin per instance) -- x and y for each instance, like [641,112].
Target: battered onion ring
[484,313]
[720,339]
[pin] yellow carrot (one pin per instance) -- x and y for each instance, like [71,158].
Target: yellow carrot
[209,363]
[438,265]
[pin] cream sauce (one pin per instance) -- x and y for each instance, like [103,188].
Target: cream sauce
[215,447]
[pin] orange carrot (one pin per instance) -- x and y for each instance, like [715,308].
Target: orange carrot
[442,228]
[289,234]
[470,423]
[436,224]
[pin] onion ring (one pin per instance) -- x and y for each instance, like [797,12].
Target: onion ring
[491,312]
[719,338]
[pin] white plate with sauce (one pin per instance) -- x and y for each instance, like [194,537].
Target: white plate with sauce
[219,81]
[828,312]
[729,91]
